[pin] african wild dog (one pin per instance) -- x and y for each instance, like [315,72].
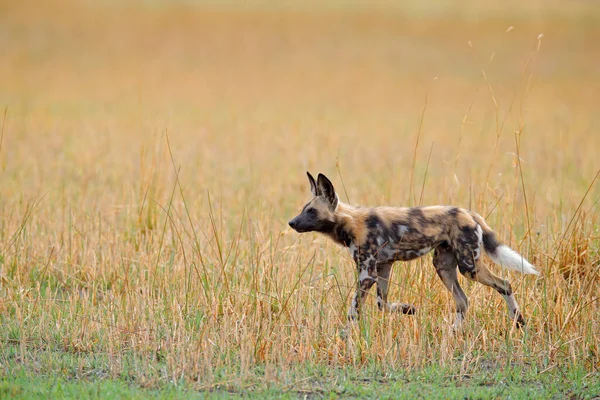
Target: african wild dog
[377,237]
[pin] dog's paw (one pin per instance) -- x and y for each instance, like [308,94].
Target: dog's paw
[518,319]
[403,308]
[458,323]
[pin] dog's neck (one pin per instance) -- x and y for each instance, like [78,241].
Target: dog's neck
[347,218]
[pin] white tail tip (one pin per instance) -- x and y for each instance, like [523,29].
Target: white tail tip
[510,259]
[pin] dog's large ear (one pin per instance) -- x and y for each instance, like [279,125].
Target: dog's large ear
[326,189]
[313,185]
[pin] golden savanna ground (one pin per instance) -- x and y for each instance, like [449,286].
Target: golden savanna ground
[152,154]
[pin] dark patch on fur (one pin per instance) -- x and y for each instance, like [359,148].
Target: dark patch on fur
[468,232]
[453,212]
[373,222]
[343,236]
[444,246]
[465,247]
[417,214]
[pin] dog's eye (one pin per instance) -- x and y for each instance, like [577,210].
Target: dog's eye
[311,211]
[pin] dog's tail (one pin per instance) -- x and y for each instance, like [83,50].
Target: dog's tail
[500,253]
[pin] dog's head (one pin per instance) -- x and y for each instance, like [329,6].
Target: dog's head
[318,215]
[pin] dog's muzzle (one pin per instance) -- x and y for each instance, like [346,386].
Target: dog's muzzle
[295,225]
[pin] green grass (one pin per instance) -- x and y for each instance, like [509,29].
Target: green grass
[62,375]
[57,388]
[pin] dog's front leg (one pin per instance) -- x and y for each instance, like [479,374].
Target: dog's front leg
[367,276]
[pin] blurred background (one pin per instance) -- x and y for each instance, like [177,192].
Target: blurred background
[252,94]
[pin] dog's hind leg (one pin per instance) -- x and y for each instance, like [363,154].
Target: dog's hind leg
[484,276]
[383,280]
[468,248]
[473,268]
[445,265]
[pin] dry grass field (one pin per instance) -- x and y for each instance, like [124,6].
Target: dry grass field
[152,153]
